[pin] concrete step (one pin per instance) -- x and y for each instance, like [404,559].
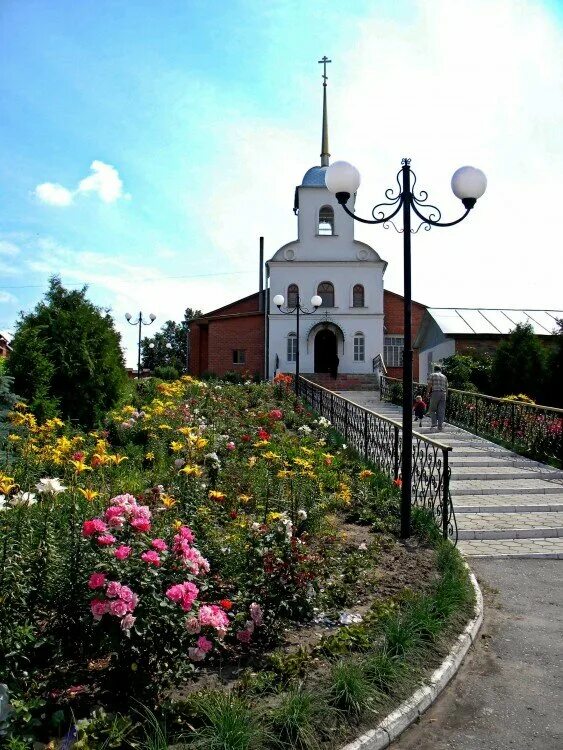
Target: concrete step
[551,548]
[510,525]
[483,459]
[461,487]
[509,503]
[492,473]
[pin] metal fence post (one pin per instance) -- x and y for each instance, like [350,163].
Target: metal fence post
[446,494]
[396,453]
[365,435]
[346,421]
[332,408]
[321,404]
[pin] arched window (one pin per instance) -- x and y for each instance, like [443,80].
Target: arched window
[359,347]
[325,290]
[358,296]
[291,347]
[326,220]
[292,295]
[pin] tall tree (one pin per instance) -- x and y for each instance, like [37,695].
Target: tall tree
[66,357]
[519,365]
[554,378]
[168,347]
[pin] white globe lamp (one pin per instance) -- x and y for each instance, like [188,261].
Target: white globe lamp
[468,184]
[342,179]
[279,300]
[316,301]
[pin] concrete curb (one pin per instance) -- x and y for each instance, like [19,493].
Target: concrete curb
[397,721]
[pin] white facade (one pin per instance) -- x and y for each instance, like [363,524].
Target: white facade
[326,252]
[434,356]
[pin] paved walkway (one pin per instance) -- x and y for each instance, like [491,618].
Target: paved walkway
[507,694]
[506,505]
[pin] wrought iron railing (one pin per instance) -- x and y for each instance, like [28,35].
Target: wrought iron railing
[534,431]
[378,440]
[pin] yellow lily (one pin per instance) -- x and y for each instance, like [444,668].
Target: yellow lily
[88,493]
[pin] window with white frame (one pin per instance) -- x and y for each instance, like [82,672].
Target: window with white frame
[393,351]
[359,347]
[291,347]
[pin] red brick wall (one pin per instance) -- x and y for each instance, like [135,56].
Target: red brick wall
[393,320]
[236,333]
[480,345]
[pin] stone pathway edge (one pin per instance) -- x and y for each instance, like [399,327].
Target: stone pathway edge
[408,712]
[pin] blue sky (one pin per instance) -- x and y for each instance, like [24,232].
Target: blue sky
[208,114]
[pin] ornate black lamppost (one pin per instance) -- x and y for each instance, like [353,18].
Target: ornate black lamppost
[140,322]
[298,309]
[468,184]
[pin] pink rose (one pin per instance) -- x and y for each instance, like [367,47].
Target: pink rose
[94,526]
[96,580]
[122,552]
[126,594]
[98,608]
[176,592]
[113,589]
[184,532]
[256,614]
[204,644]
[276,414]
[106,539]
[133,603]
[196,654]
[116,522]
[141,524]
[159,545]
[244,636]
[127,622]
[193,625]
[151,557]
[118,608]
[230,446]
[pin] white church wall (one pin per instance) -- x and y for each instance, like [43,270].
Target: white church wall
[433,356]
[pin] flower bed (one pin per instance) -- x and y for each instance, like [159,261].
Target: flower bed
[208,536]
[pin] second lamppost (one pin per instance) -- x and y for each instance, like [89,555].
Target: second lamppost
[468,184]
[140,322]
[298,310]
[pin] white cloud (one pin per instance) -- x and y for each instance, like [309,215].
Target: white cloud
[105,182]
[7,297]
[8,248]
[53,194]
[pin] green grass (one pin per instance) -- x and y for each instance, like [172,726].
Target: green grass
[298,721]
[350,690]
[228,724]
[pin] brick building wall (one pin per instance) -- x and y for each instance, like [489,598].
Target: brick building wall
[240,326]
[393,321]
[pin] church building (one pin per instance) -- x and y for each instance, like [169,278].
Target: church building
[356,321]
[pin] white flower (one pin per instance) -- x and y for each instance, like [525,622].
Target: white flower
[302,515]
[2,502]
[50,485]
[305,429]
[255,526]
[344,447]
[362,547]
[213,459]
[323,422]
[348,618]
[24,498]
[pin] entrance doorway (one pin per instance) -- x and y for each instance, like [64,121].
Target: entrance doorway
[325,350]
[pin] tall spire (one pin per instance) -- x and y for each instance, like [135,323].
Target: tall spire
[325,155]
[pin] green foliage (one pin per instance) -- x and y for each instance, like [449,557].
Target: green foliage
[166,372]
[66,357]
[296,722]
[554,380]
[350,690]
[519,364]
[7,400]
[168,347]
[228,724]
[469,372]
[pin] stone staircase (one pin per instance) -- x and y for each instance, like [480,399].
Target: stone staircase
[344,381]
[505,505]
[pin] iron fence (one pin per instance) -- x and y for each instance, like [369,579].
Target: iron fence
[534,431]
[379,440]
